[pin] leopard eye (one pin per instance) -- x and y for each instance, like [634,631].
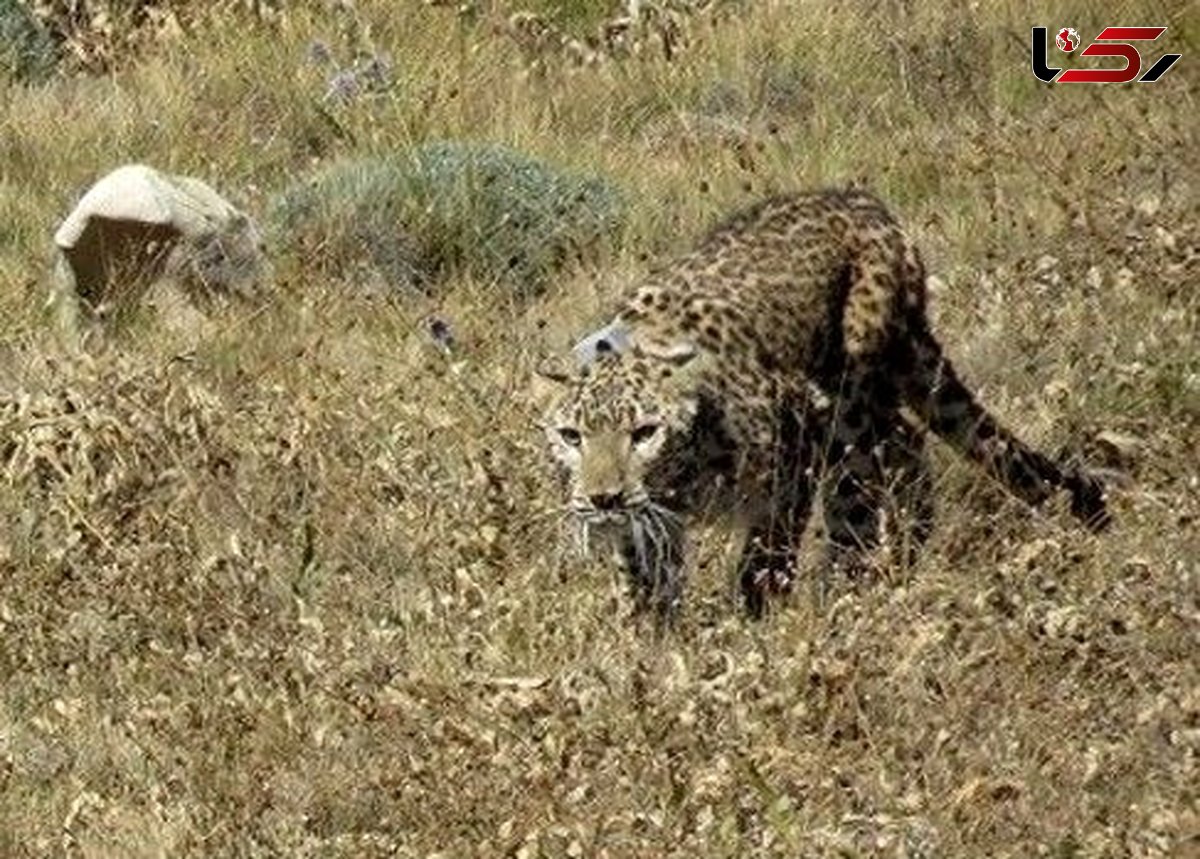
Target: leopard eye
[570,436]
[644,433]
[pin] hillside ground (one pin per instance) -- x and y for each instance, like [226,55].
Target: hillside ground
[285,581]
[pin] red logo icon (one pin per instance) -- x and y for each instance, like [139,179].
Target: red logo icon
[1067,39]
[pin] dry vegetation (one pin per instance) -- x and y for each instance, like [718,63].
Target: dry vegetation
[285,584]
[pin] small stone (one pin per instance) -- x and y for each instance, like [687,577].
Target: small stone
[1057,390]
[1148,205]
[1163,239]
[1137,566]
[1119,449]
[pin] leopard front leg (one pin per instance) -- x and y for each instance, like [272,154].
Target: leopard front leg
[780,508]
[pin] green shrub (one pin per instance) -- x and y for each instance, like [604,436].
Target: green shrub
[578,17]
[27,52]
[348,220]
[505,216]
[485,210]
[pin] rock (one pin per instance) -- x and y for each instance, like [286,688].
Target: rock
[1119,450]
[1148,205]
[1163,239]
[137,227]
[1046,263]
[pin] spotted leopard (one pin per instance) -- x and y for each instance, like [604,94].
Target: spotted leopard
[790,350]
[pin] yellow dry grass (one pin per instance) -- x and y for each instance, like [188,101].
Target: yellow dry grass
[287,584]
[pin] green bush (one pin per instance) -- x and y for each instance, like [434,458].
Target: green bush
[485,210]
[578,17]
[348,220]
[27,52]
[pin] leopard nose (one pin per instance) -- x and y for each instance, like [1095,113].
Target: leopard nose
[608,500]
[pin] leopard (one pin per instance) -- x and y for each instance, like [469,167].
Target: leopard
[787,357]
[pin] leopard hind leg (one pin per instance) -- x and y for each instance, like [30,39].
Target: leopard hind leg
[877,486]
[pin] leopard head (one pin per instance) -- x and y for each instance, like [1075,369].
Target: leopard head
[617,425]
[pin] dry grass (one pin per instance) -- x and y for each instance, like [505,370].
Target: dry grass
[286,585]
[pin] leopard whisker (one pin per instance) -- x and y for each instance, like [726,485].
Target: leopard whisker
[665,512]
[637,535]
[657,525]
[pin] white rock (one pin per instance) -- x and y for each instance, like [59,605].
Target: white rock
[137,227]
[1046,263]
[1148,205]
[1163,239]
